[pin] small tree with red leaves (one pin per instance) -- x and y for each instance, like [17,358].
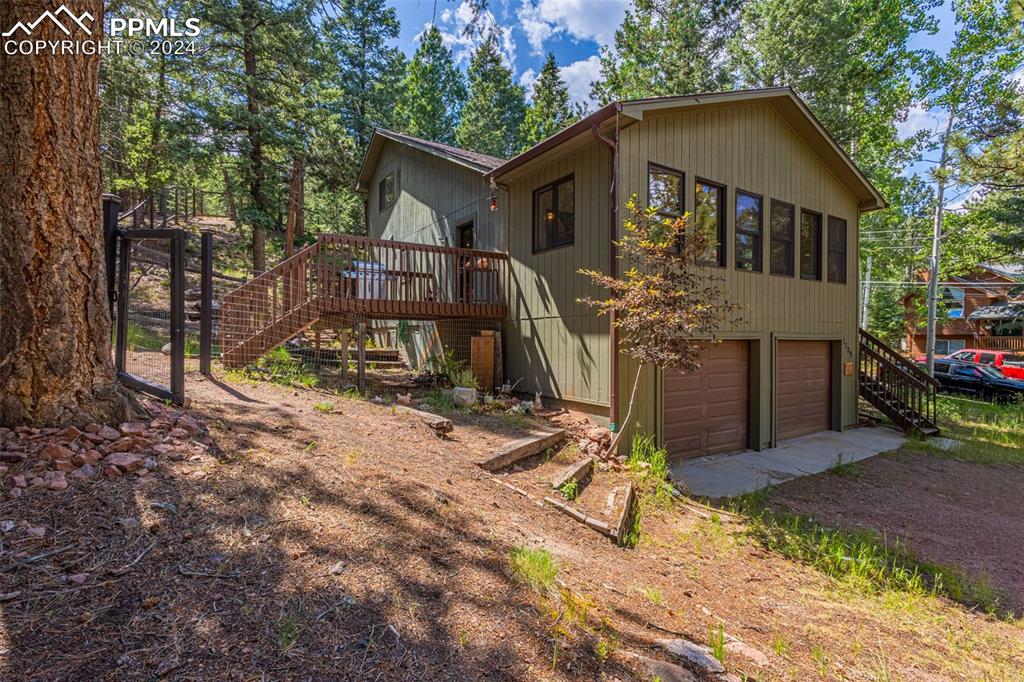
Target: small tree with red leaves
[668,303]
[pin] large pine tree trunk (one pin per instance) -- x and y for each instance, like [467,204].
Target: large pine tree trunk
[55,362]
[255,134]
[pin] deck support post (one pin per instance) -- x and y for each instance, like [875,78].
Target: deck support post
[361,356]
[343,340]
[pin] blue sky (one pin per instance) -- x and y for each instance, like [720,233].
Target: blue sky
[575,30]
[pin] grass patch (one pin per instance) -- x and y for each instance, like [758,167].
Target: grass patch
[138,337]
[989,433]
[841,468]
[279,367]
[860,559]
[534,567]
[441,400]
[325,406]
[716,640]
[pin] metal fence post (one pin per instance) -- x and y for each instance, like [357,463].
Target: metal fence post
[206,303]
[178,316]
[111,206]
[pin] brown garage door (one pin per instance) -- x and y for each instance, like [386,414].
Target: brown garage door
[803,393]
[707,411]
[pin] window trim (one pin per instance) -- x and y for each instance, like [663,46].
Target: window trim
[723,227]
[817,251]
[792,240]
[829,250]
[381,206]
[651,166]
[759,252]
[553,185]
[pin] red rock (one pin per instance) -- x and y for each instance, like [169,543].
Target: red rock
[109,433]
[87,457]
[71,433]
[133,428]
[163,448]
[92,428]
[83,472]
[599,434]
[55,480]
[14,492]
[189,423]
[13,457]
[95,438]
[36,531]
[54,451]
[122,444]
[25,429]
[63,465]
[19,481]
[37,482]
[124,461]
[178,433]
[78,578]
[111,471]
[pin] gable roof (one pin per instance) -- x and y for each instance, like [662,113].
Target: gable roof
[785,102]
[464,157]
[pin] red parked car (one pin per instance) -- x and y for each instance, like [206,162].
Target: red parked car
[1011,364]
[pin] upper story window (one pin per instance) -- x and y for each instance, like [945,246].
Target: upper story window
[665,191]
[554,214]
[810,245]
[386,191]
[953,297]
[749,222]
[783,238]
[709,215]
[836,250]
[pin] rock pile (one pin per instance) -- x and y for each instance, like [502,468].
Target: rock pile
[591,439]
[52,459]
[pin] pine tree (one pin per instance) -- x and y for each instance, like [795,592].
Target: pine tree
[668,47]
[358,33]
[493,115]
[432,92]
[549,110]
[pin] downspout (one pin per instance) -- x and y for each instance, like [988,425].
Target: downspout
[613,270]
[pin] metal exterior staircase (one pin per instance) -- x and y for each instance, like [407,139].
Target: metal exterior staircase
[897,387]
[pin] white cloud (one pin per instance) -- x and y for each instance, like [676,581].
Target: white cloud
[594,20]
[527,80]
[463,43]
[579,75]
[918,119]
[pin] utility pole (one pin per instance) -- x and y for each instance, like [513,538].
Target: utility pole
[865,301]
[933,270]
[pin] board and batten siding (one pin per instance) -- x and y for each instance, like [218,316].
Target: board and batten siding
[555,345]
[433,197]
[750,147]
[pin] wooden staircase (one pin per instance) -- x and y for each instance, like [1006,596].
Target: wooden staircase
[359,278]
[897,387]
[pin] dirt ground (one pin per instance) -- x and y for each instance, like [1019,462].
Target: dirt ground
[960,514]
[355,544]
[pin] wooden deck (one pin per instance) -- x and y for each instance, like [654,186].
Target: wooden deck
[363,278]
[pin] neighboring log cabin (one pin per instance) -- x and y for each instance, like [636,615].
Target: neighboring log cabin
[755,166]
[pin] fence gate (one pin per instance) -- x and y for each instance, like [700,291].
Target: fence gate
[149,342]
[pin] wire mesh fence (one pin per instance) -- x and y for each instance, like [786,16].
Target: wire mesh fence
[147,310]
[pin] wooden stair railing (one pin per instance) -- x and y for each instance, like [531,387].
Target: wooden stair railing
[364,278]
[898,388]
[270,309]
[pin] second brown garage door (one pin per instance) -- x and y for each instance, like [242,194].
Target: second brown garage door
[707,411]
[803,392]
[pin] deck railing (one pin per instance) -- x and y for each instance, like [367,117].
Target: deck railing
[360,278]
[395,279]
[1014,343]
